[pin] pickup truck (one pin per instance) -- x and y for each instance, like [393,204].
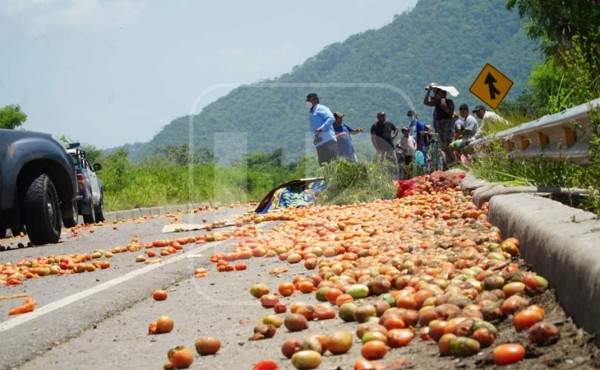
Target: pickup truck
[38,188]
[91,197]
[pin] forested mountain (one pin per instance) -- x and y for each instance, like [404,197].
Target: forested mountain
[447,42]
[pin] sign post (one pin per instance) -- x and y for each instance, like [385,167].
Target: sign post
[491,86]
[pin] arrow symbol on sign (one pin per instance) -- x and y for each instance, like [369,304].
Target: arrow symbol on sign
[490,80]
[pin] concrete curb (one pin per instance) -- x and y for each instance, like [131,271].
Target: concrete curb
[561,243]
[151,211]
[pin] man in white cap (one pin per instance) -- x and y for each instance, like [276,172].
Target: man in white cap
[487,119]
[321,124]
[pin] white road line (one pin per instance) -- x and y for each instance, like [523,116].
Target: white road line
[21,319]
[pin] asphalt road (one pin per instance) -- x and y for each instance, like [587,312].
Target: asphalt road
[99,319]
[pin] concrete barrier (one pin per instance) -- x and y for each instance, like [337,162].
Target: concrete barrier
[151,211]
[560,243]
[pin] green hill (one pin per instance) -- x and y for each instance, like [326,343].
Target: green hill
[387,69]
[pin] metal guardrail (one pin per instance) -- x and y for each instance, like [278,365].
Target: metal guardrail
[565,134]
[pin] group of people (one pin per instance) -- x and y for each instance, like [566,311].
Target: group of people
[452,131]
[456,131]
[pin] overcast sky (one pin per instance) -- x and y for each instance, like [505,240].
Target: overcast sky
[108,73]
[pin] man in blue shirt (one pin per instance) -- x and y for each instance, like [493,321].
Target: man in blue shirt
[342,134]
[321,125]
[416,129]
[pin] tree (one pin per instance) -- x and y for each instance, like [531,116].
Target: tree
[569,33]
[180,155]
[11,116]
[556,23]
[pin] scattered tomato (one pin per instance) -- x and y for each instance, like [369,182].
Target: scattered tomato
[28,306]
[290,346]
[180,357]
[508,353]
[207,345]
[339,342]
[265,365]
[295,322]
[164,324]
[373,350]
[307,359]
[159,295]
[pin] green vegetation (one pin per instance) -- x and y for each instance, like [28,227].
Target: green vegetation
[11,116]
[569,34]
[168,178]
[349,183]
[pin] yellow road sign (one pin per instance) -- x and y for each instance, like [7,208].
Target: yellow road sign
[491,86]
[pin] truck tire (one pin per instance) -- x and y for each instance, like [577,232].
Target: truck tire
[89,218]
[15,231]
[72,221]
[99,211]
[42,216]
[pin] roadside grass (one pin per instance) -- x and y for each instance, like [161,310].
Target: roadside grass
[167,184]
[160,182]
[349,183]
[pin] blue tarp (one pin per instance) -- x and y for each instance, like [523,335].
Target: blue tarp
[295,193]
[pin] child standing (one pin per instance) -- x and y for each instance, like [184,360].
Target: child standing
[407,145]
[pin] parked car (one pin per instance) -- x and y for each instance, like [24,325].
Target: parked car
[38,188]
[91,198]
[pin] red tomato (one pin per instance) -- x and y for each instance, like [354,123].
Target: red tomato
[265,365]
[280,307]
[526,318]
[164,324]
[368,365]
[374,349]
[159,295]
[339,342]
[306,286]
[332,294]
[508,353]
[207,345]
[400,337]
[286,289]
[181,357]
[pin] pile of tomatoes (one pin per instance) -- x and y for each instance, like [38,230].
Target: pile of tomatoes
[436,182]
[426,266]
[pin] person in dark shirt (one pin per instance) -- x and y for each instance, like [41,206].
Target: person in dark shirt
[383,134]
[444,116]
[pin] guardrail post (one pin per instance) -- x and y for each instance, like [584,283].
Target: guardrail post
[570,136]
[543,140]
[524,143]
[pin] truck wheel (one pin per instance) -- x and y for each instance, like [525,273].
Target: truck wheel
[16,231]
[89,219]
[99,211]
[72,220]
[41,211]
